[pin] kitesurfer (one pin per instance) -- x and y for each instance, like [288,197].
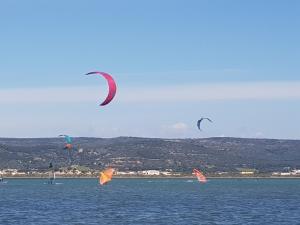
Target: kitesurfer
[51,174]
[68,145]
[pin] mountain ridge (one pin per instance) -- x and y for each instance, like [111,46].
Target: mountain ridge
[141,153]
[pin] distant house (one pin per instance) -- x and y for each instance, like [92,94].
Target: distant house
[285,174]
[20,173]
[295,172]
[10,171]
[130,173]
[150,172]
[166,173]
[176,174]
[221,173]
[275,173]
[247,171]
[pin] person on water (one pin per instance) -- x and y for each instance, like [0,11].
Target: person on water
[51,180]
[51,174]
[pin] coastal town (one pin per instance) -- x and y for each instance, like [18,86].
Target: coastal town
[81,171]
[147,157]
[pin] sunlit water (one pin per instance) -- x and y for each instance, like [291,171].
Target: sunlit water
[151,201]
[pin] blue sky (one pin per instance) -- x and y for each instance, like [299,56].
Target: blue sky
[163,54]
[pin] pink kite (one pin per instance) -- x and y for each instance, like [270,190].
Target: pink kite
[201,178]
[111,85]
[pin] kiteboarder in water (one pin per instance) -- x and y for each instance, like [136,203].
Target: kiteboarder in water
[51,174]
[2,181]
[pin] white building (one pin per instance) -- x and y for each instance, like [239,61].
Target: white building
[131,173]
[10,172]
[295,172]
[275,173]
[150,172]
[285,174]
[166,173]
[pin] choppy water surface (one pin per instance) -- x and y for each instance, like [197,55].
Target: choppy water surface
[151,201]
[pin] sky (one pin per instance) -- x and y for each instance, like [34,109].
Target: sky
[174,61]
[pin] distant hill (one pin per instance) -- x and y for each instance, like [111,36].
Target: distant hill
[132,153]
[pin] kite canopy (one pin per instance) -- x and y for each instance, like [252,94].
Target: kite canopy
[201,178]
[199,122]
[111,85]
[106,176]
[68,140]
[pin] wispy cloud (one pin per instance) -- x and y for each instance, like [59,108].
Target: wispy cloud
[210,92]
[50,95]
[178,129]
[145,94]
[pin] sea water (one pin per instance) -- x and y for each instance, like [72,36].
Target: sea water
[150,201]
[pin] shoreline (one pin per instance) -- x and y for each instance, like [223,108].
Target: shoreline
[153,177]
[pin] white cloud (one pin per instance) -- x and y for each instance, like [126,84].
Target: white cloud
[211,92]
[259,134]
[180,126]
[49,95]
[178,129]
[165,94]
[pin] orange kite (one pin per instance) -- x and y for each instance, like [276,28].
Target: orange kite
[106,176]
